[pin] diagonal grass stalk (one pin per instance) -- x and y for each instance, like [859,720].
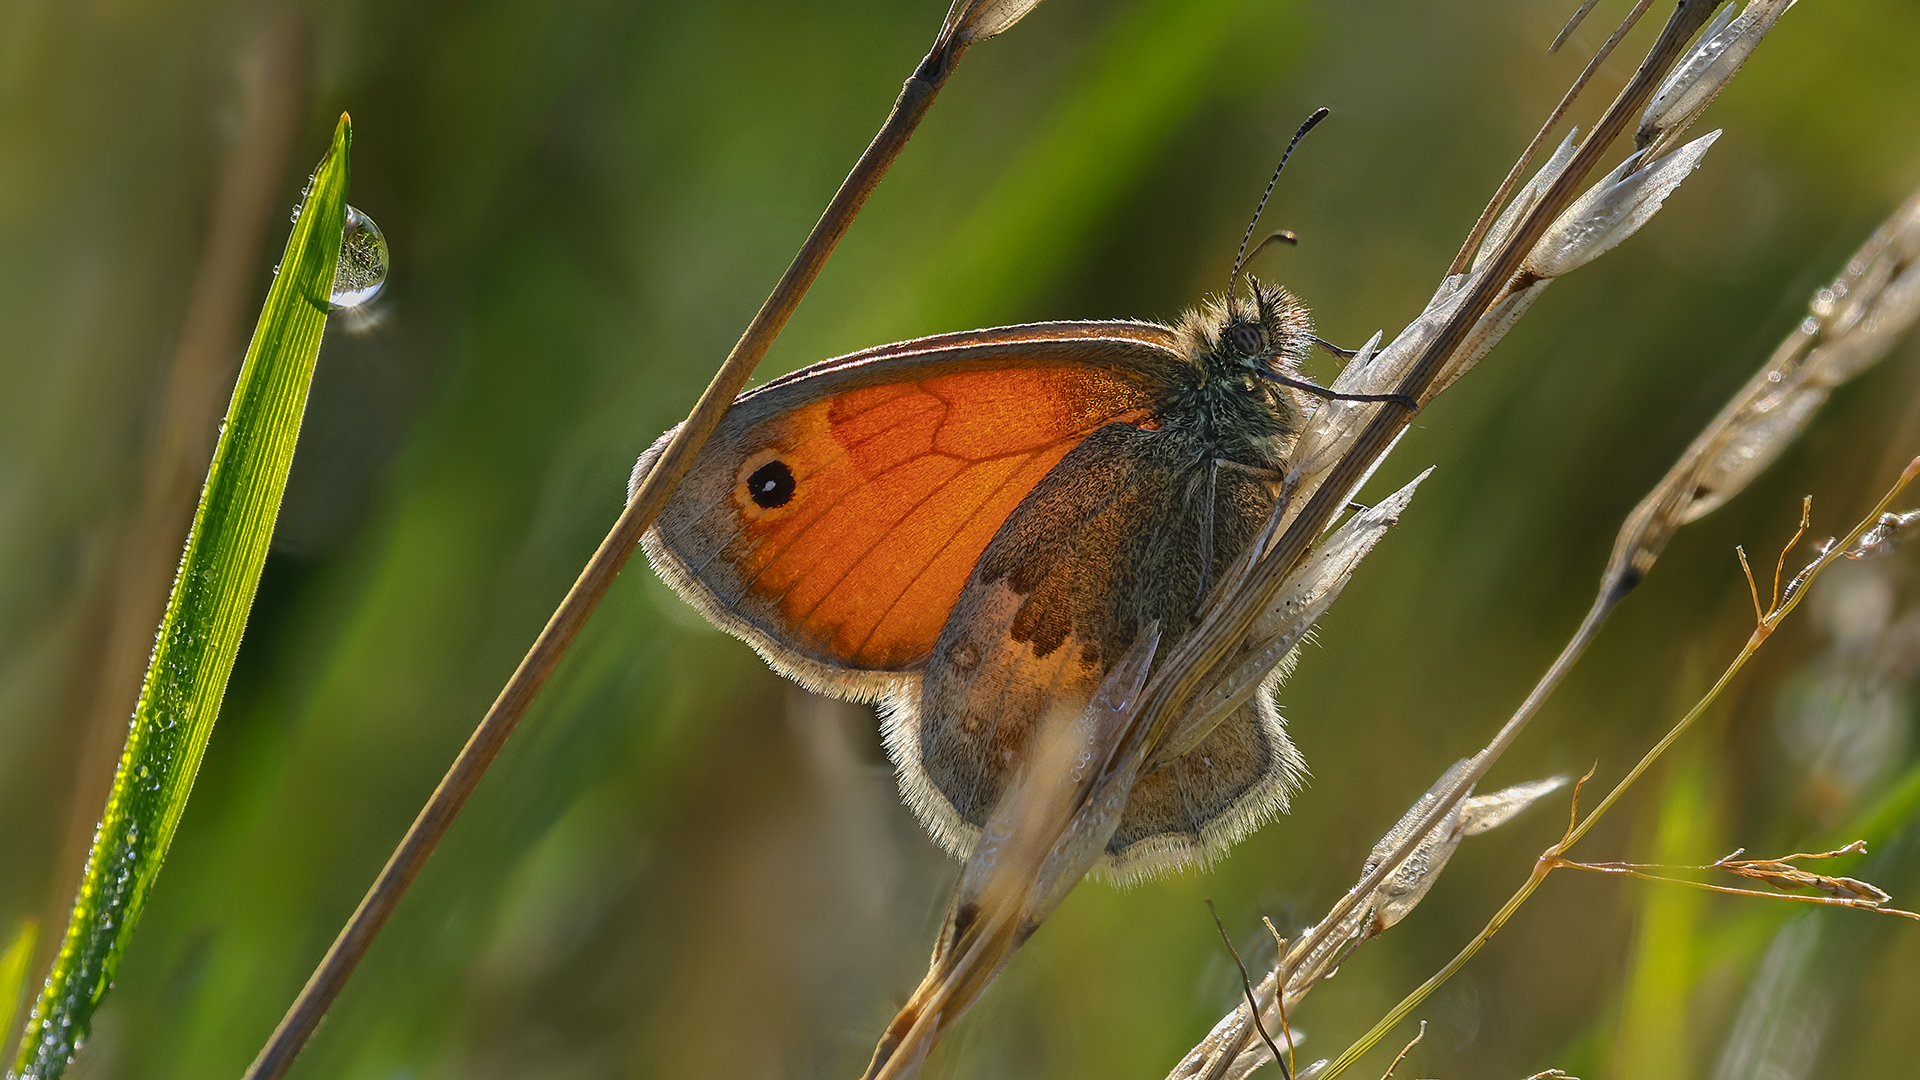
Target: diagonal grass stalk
[1579,827]
[967,23]
[199,635]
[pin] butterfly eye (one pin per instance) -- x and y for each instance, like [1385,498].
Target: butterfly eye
[771,485]
[1245,338]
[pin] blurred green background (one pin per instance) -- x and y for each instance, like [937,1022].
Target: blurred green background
[683,866]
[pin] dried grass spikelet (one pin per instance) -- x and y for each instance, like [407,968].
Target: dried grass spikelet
[1691,87]
[1045,833]
[1607,214]
[1050,829]
[1305,596]
[1269,597]
[1850,325]
[1225,1054]
[1782,873]
[970,21]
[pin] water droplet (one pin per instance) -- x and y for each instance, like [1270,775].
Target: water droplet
[362,270]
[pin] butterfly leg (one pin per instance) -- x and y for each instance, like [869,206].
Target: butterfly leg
[1272,476]
[1319,391]
[1208,542]
[1344,354]
[1206,532]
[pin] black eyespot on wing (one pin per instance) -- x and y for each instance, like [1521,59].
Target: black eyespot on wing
[771,485]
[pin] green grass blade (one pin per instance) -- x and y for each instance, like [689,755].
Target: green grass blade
[200,634]
[15,966]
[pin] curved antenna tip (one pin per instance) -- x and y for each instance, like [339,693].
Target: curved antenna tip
[1240,258]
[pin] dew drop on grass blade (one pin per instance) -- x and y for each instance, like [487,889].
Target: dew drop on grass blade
[213,590]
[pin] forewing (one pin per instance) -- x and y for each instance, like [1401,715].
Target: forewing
[836,513]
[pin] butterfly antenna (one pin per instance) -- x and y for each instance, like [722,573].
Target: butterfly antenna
[1240,259]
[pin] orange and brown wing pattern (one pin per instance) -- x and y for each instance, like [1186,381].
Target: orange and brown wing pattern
[1111,543]
[837,514]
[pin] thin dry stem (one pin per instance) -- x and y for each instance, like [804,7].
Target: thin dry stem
[501,718]
[1280,951]
[1551,857]
[1404,1051]
[1228,616]
[1573,23]
[1780,564]
[1246,985]
[1753,587]
[1831,901]
[1781,873]
[1492,211]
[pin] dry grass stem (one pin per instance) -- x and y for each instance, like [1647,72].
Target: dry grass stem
[1850,325]
[1552,857]
[1880,288]
[1780,564]
[1578,17]
[1753,588]
[1781,873]
[1549,229]
[1223,1055]
[1280,1004]
[1404,1051]
[1479,231]
[1246,988]
[967,22]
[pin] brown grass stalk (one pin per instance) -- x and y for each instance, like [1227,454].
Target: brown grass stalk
[1227,620]
[1512,180]
[1550,859]
[1237,627]
[968,21]
[1783,873]
[1851,324]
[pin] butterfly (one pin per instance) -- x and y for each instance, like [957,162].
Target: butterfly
[972,528]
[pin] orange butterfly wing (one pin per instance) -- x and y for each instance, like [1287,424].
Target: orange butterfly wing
[901,464]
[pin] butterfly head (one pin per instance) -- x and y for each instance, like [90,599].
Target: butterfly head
[1239,345]
[1256,336]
